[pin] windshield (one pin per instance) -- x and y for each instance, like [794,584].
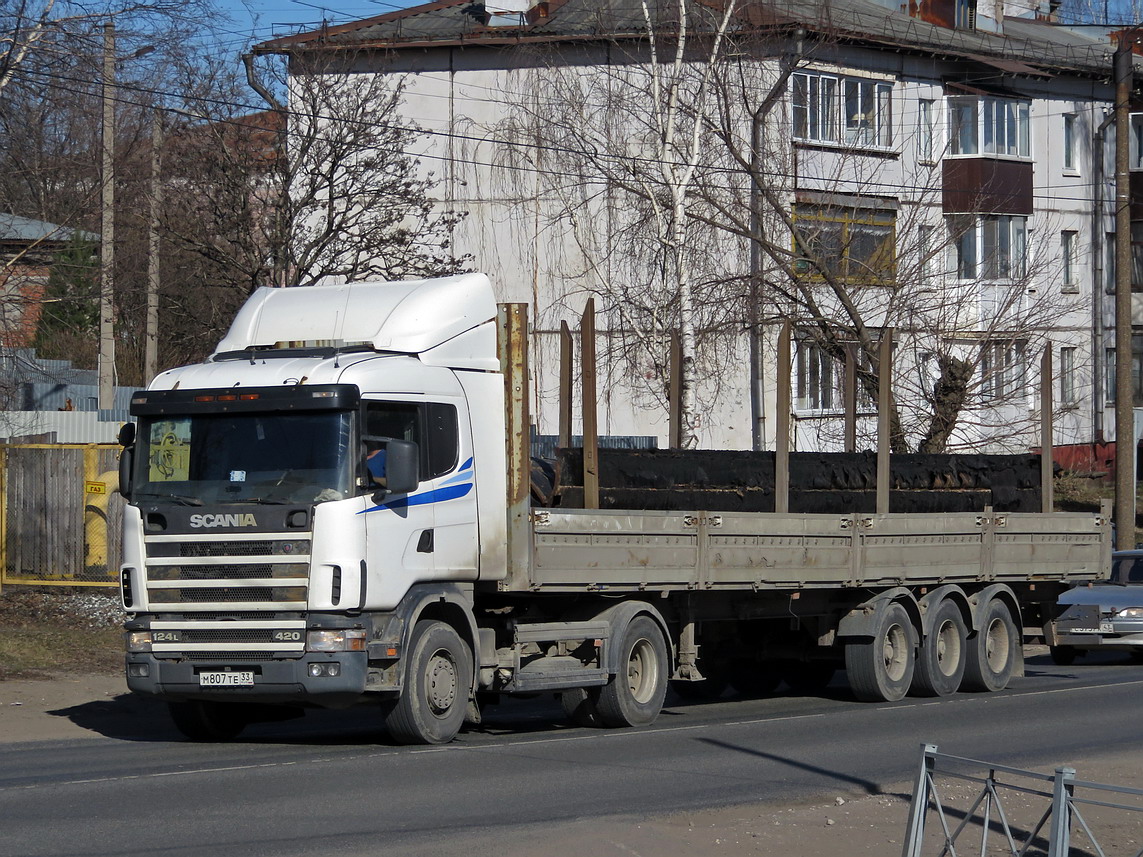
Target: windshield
[1127,569]
[244,458]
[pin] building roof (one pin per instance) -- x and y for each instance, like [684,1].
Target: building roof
[24,230]
[1027,45]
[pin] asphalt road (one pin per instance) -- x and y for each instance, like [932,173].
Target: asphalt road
[331,784]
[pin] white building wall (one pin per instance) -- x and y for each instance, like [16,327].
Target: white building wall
[464,96]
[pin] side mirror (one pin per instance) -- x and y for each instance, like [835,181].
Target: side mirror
[126,465]
[126,434]
[402,473]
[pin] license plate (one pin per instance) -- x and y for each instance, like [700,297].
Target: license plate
[226,679]
[1105,628]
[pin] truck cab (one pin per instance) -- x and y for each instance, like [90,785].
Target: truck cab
[294,500]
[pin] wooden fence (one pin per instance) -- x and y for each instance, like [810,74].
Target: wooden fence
[60,514]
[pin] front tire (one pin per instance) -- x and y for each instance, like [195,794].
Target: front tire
[881,669]
[992,652]
[634,696]
[438,681]
[940,666]
[206,720]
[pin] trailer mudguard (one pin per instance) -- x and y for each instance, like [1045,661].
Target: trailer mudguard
[931,599]
[860,621]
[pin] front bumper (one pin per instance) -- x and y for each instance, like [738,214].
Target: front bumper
[1084,626]
[275,681]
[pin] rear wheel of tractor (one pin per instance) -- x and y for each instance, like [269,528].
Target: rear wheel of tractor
[881,669]
[634,696]
[940,665]
[206,720]
[993,651]
[1063,656]
[438,680]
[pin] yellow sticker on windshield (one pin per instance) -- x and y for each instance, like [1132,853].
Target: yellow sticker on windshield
[170,451]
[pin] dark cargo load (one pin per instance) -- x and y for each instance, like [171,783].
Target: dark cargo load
[736,481]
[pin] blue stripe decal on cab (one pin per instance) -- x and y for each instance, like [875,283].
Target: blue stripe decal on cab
[439,495]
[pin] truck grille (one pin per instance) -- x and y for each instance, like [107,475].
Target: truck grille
[194,572]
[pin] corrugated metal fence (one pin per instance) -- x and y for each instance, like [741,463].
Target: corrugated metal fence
[60,514]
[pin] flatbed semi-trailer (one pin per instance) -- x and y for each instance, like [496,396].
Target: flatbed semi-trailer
[271,565]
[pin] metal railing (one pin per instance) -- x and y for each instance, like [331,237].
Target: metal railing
[1058,806]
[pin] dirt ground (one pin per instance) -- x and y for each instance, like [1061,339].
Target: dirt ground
[844,825]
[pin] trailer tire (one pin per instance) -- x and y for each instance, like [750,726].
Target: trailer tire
[634,696]
[942,658]
[1063,656]
[206,720]
[433,702]
[992,651]
[881,669]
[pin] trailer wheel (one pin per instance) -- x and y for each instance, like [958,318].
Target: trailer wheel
[438,679]
[634,696]
[881,669]
[206,720]
[992,651]
[941,663]
[1063,656]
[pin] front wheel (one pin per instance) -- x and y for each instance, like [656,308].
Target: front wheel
[992,652]
[634,696]
[438,679]
[206,720]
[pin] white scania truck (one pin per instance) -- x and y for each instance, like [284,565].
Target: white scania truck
[271,564]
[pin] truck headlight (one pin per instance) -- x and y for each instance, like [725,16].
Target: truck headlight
[342,640]
[138,641]
[1130,613]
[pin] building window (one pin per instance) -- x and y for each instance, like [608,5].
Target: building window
[850,244]
[818,378]
[1109,259]
[1136,370]
[1136,143]
[928,253]
[1002,370]
[1068,398]
[1069,141]
[986,125]
[965,14]
[925,139]
[1068,249]
[863,109]
[993,247]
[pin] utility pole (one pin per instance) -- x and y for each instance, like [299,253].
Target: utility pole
[1124,388]
[107,250]
[151,337]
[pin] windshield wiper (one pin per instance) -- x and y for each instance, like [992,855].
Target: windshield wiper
[181,499]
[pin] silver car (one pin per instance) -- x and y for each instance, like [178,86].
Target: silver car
[1101,615]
